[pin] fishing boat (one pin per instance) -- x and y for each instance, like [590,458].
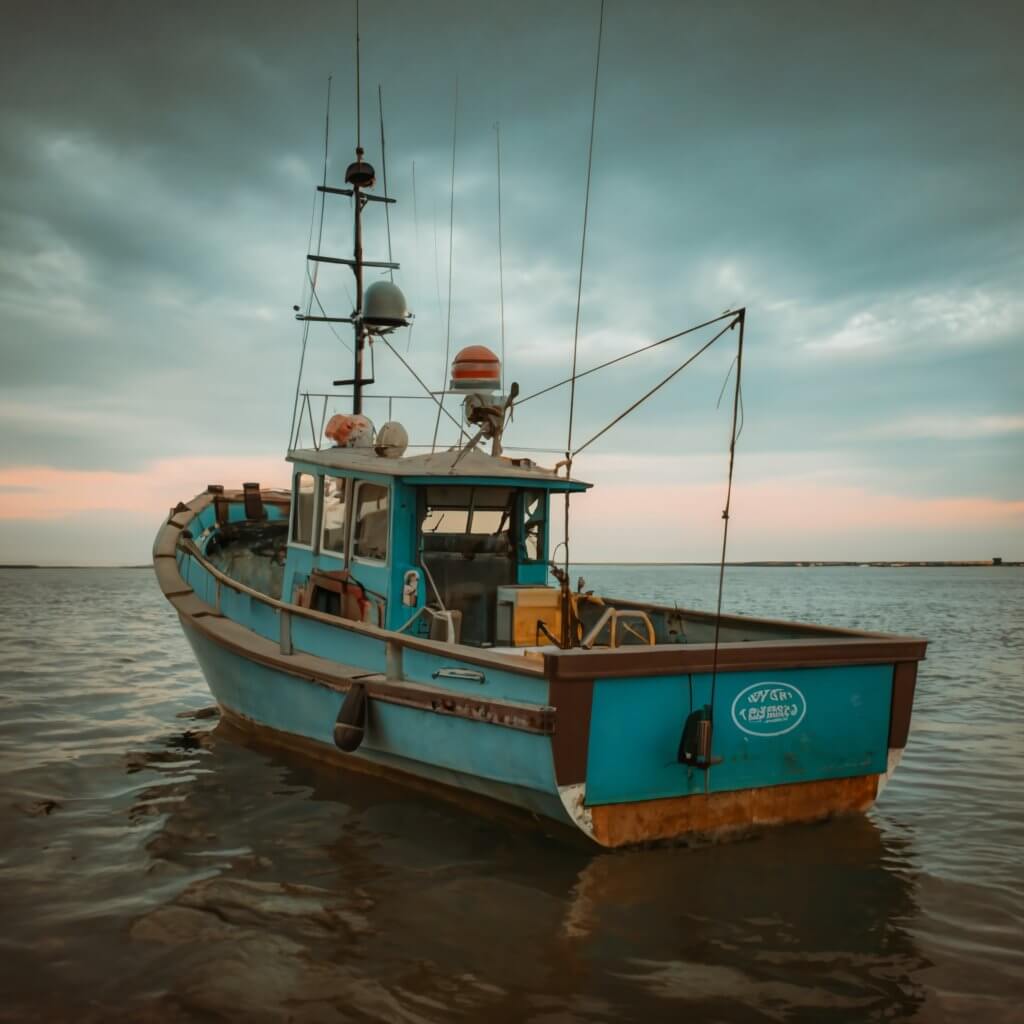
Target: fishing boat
[401,612]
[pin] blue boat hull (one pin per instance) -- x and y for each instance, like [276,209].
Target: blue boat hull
[455,753]
[802,729]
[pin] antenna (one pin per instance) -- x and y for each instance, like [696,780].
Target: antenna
[385,304]
[451,235]
[384,170]
[359,104]
[501,268]
[568,630]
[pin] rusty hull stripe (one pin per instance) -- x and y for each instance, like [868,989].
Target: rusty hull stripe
[716,814]
[904,680]
[684,659]
[572,703]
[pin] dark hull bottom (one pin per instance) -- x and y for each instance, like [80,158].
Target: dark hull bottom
[248,731]
[714,817]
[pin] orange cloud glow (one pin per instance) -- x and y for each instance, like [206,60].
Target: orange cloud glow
[43,492]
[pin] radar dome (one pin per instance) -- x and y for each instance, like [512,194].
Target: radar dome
[349,431]
[384,305]
[392,440]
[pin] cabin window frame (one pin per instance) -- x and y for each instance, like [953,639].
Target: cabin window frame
[356,486]
[346,526]
[314,526]
[526,494]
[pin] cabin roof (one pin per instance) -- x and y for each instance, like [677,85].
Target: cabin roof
[444,465]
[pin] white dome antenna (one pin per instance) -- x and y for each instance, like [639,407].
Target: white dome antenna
[384,307]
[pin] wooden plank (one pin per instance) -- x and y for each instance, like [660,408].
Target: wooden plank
[904,681]
[571,742]
[169,578]
[685,659]
[166,544]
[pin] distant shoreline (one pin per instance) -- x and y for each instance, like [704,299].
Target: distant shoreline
[988,564]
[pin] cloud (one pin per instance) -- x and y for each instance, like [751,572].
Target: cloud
[951,427]
[157,174]
[955,319]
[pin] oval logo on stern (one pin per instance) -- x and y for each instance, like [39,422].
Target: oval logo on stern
[768,709]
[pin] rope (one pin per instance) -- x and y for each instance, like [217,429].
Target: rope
[384,171]
[451,235]
[657,387]
[736,405]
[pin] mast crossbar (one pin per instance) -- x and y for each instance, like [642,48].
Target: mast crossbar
[352,263]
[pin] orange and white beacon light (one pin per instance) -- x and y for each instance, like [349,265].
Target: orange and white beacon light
[476,369]
[476,373]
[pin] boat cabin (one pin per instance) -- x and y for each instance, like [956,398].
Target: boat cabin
[449,544]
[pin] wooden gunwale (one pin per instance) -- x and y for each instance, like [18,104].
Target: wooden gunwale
[334,675]
[522,666]
[699,615]
[841,647]
[687,659]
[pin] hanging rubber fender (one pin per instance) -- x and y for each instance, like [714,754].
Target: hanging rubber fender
[350,725]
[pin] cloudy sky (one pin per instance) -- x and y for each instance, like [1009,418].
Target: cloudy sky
[850,172]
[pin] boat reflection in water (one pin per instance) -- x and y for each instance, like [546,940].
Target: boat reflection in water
[394,906]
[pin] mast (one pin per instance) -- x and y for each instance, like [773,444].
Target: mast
[357,179]
[387,308]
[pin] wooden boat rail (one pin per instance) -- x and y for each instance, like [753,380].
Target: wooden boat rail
[839,647]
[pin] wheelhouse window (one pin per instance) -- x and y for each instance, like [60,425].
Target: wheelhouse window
[482,516]
[303,501]
[533,526]
[370,525]
[332,540]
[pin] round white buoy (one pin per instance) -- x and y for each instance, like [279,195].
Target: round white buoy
[392,440]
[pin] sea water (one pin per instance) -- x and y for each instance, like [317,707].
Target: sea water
[154,868]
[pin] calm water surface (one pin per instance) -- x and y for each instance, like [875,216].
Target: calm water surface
[155,869]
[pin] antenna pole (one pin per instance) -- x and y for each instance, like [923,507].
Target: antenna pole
[359,119]
[357,315]
[568,626]
[357,253]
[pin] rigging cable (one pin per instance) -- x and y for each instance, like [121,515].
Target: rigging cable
[384,171]
[320,234]
[501,266]
[737,404]
[566,625]
[660,384]
[419,380]
[451,232]
[627,355]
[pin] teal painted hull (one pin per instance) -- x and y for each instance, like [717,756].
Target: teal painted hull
[806,722]
[515,768]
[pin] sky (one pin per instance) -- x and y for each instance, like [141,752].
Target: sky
[848,172]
